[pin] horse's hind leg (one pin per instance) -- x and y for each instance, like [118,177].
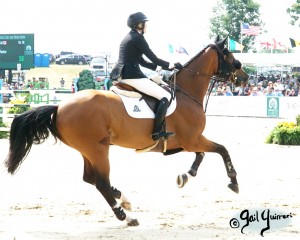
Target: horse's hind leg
[125,203]
[100,163]
[183,178]
[89,177]
[88,172]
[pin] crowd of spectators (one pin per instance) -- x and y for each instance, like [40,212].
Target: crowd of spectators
[34,84]
[288,86]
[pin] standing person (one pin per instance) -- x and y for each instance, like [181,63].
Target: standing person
[127,70]
[62,83]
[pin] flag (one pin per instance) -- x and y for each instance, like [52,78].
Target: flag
[177,49]
[182,50]
[272,44]
[171,48]
[233,45]
[265,44]
[250,30]
[295,43]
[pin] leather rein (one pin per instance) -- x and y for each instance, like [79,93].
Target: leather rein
[226,72]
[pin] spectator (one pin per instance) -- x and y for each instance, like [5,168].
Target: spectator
[62,83]
[277,92]
[292,93]
[254,92]
[236,91]
[219,92]
[287,92]
[251,80]
[260,87]
[270,92]
[228,91]
[279,85]
[270,85]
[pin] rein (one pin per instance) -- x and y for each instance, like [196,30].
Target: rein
[223,75]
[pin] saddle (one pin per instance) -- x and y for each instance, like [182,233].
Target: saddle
[125,90]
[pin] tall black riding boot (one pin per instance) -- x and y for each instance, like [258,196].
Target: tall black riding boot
[159,119]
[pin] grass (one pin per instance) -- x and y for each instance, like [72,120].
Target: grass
[54,73]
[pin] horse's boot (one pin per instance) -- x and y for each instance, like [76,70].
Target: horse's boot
[159,120]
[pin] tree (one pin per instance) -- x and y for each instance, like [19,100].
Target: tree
[294,12]
[228,16]
[86,80]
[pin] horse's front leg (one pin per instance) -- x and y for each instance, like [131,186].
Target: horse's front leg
[204,145]
[231,173]
[184,178]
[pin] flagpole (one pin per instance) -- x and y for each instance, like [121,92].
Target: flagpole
[241,36]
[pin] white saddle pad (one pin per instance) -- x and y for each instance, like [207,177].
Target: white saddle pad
[138,108]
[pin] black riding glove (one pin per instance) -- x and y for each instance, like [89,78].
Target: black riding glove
[178,66]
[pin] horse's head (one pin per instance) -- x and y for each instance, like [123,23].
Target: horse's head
[230,69]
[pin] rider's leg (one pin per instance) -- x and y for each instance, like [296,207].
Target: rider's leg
[150,88]
[160,114]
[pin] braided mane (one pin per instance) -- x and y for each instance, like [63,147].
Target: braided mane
[197,55]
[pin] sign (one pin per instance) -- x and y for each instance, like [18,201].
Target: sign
[1,98]
[16,49]
[273,107]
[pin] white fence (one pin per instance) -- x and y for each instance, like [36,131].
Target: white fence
[237,106]
[36,98]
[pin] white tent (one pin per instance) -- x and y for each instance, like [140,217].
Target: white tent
[269,59]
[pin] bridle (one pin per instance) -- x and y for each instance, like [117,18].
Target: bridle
[226,70]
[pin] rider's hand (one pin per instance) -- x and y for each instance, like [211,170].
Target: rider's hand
[178,66]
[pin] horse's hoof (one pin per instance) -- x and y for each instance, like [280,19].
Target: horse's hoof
[234,187]
[181,180]
[133,222]
[126,206]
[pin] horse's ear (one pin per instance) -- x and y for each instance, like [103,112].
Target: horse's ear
[223,42]
[217,40]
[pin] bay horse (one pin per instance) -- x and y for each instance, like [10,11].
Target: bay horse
[90,121]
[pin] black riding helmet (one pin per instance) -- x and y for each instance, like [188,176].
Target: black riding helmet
[136,18]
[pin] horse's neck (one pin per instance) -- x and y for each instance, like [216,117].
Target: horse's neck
[195,80]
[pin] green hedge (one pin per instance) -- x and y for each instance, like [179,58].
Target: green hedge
[285,133]
[3,134]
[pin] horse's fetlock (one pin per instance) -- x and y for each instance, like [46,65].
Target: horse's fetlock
[119,212]
[192,172]
[232,174]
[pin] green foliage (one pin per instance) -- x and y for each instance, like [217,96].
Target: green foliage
[294,12]
[298,120]
[3,134]
[86,80]
[227,18]
[99,85]
[250,70]
[285,133]
[19,99]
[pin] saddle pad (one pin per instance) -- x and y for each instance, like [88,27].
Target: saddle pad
[138,108]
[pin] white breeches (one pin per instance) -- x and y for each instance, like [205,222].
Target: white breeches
[148,87]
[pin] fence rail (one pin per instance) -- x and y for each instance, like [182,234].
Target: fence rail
[36,98]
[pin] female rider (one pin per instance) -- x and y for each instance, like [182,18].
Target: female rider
[127,69]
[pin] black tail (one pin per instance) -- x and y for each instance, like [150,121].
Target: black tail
[31,127]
